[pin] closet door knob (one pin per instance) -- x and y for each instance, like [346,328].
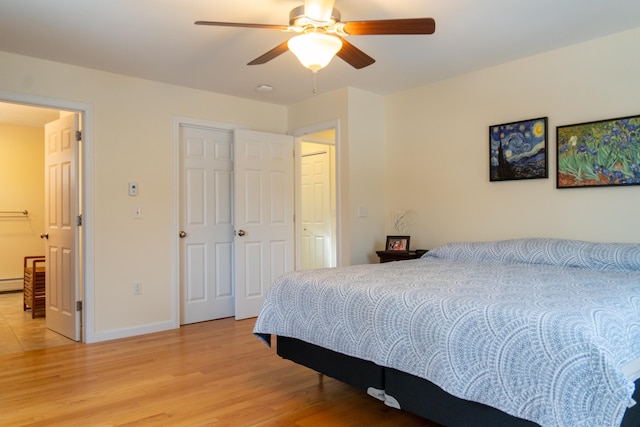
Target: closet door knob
[44,235]
[241,233]
[182,234]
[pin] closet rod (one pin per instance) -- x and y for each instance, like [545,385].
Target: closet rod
[24,212]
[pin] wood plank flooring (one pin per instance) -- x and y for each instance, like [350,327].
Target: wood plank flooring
[207,374]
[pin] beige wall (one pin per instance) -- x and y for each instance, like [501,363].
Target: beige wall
[323,108]
[438,157]
[360,147]
[132,141]
[21,188]
[366,174]
[425,150]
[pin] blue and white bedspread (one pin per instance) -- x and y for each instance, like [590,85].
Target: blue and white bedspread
[544,329]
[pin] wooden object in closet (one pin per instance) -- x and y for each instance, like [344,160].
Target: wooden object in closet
[34,285]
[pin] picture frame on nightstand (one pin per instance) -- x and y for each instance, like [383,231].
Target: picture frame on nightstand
[397,243]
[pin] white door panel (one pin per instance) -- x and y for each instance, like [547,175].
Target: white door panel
[61,210]
[264,249]
[206,206]
[315,209]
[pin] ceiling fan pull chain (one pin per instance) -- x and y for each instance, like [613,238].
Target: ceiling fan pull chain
[315,88]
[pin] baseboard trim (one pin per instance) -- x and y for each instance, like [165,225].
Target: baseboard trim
[115,334]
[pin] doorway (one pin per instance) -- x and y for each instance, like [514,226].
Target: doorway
[250,282]
[28,110]
[234,214]
[19,331]
[317,193]
[317,196]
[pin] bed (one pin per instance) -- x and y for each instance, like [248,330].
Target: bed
[519,332]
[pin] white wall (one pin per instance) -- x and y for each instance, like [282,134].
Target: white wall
[438,156]
[132,141]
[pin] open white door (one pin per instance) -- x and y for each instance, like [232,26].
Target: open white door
[206,220]
[315,236]
[264,248]
[61,212]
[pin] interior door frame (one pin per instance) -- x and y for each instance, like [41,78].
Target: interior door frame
[177,121]
[85,180]
[299,136]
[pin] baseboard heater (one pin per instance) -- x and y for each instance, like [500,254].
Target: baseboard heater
[11,284]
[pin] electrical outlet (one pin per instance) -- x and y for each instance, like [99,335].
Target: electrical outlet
[137,288]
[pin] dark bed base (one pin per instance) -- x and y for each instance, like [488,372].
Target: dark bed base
[408,392]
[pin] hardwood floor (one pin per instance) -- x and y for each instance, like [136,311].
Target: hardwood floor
[205,374]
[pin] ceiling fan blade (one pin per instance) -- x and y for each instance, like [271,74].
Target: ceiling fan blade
[243,25]
[354,56]
[273,53]
[391,26]
[319,10]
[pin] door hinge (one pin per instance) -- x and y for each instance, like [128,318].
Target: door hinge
[79,220]
[78,136]
[78,305]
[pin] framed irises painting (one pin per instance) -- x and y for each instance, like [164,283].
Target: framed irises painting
[518,150]
[600,153]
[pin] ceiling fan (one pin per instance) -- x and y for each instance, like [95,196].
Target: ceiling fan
[321,34]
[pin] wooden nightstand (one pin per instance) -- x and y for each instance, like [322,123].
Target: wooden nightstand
[388,256]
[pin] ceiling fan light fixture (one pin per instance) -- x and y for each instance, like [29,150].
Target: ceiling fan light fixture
[315,50]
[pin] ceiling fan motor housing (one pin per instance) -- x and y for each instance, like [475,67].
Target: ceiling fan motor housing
[325,32]
[298,18]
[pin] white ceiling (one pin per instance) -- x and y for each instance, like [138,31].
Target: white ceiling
[157,40]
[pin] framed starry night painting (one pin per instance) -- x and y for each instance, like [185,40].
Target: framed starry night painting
[518,150]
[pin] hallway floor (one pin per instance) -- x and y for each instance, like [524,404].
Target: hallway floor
[19,332]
